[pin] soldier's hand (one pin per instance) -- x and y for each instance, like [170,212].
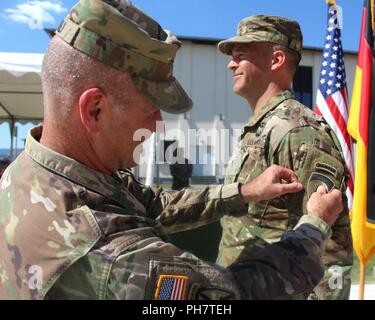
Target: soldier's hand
[324,205]
[273,182]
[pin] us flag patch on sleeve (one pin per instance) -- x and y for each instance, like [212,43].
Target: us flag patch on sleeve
[171,287]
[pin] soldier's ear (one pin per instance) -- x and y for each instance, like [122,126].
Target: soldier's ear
[278,59]
[93,104]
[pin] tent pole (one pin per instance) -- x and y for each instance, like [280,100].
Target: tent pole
[16,141]
[11,139]
[11,125]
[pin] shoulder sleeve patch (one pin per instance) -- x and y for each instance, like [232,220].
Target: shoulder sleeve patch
[171,287]
[177,278]
[318,167]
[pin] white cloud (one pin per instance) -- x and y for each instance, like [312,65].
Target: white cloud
[35,13]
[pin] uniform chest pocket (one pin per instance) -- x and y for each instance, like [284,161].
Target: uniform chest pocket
[248,163]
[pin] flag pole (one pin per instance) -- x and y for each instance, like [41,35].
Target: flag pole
[362,281]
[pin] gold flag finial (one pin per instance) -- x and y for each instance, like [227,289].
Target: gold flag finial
[333,2]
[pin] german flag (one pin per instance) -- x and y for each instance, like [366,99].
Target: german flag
[361,126]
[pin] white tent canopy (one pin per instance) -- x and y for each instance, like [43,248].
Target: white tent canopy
[20,87]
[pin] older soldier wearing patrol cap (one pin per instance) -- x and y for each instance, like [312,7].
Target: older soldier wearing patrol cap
[74,224]
[265,55]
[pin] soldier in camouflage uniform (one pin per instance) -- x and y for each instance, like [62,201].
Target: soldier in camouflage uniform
[181,171]
[265,54]
[74,224]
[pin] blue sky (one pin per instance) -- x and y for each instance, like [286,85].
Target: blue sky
[22,21]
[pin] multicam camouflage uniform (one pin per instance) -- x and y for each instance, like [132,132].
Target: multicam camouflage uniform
[70,232]
[288,134]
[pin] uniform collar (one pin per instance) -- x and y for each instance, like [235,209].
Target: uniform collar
[111,187]
[270,105]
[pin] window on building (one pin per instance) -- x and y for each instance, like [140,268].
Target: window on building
[302,86]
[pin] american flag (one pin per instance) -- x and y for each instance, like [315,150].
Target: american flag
[332,95]
[171,288]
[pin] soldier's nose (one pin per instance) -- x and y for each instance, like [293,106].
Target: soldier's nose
[232,65]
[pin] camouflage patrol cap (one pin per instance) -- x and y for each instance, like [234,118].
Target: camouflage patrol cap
[120,35]
[278,30]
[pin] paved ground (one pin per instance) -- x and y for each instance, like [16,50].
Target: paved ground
[369,291]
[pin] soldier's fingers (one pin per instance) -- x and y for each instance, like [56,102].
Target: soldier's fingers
[322,189]
[286,174]
[336,194]
[290,187]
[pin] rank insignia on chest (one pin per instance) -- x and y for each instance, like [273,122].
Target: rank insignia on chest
[171,287]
